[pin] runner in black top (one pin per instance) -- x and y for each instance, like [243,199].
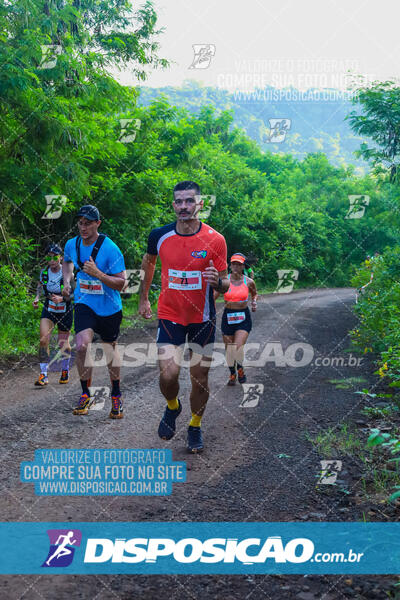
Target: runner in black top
[56,311]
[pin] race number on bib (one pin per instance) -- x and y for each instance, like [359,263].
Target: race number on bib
[56,308]
[184,280]
[236,317]
[91,286]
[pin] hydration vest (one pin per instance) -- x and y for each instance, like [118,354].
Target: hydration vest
[44,280]
[95,250]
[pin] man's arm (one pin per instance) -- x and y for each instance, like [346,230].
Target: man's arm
[67,272]
[223,286]
[217,279]
[116,281]
[148,266]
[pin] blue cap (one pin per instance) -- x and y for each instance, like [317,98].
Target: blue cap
[54,248]
[90,212]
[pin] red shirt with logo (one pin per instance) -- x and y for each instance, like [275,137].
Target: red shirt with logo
[185,296]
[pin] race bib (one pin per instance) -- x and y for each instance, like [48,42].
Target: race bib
[184,280]
[91,286]
[235,317]
[56,308]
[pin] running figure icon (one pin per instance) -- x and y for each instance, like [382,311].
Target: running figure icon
[62,549]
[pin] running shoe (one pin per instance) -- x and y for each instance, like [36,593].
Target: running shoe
[64,378]
[166,428]
[194,439]
[42,380]
[117,411]
[241,376]
[232,380]
[82,408]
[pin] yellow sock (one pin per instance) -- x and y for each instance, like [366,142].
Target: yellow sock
[173,404]
[195,421]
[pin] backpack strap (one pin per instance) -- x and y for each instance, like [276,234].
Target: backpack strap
[78,256]
[247,285]
[44,279]
[98,245]
[95,251]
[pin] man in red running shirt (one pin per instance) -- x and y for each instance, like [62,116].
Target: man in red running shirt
[193,264]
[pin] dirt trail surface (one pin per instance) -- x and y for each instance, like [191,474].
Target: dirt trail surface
[258,463]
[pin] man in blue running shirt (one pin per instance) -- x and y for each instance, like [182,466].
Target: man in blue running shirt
[98,308]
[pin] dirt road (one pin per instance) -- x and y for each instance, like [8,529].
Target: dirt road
[258,463]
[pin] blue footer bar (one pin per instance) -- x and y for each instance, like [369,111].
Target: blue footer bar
[199,548]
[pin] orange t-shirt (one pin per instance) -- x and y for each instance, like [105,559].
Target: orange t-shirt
[185,295]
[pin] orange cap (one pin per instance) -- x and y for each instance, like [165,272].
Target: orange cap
[237,258]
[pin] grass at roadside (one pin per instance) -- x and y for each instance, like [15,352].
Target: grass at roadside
[370,450]
[345,443]
[338,441]
[19,332]
[18,337]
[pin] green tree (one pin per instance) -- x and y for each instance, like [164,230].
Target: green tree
[60,104]
[380,121]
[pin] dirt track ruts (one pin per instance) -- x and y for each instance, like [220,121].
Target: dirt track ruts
[258,464]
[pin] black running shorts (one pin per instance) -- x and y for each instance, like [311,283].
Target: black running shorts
[234,319]
[200,334]
[106,327]
[62,320]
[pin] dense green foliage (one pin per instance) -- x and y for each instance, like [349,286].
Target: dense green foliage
[318,123]
[379,305]
[60,127]
[61,135]
[379,121]
[378,309]
[18,321]
[391,445]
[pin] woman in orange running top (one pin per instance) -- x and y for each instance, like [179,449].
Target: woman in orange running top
[236,319]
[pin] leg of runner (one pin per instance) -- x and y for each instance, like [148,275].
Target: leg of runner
[169,365]
[83,363]
[240,341]
[114,369]
[198,401]
[230,357]
[46,327]
[65,349]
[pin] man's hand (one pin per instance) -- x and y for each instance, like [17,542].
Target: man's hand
[35,302]
[211,275]
[90,268]
[145,309]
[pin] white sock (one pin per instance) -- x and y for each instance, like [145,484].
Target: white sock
[43,368]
